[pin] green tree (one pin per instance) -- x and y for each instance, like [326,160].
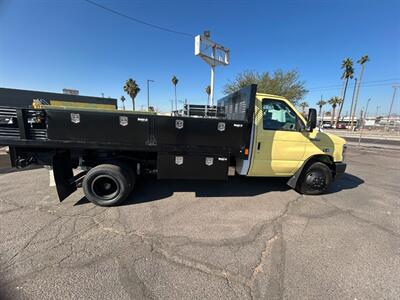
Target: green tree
[132,89]
[361,61]
[303,106]
[348,72]
[123,102]
[175,82]
[286,84]
[334,101]
[320,104]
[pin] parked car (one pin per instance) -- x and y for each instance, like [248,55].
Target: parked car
[341,126]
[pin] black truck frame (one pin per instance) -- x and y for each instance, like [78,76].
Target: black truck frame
[112,147]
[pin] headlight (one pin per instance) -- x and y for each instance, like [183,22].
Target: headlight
[344,151]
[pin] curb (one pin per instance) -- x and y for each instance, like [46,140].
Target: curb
[373,141]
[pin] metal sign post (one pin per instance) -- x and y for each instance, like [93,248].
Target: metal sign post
[213,54]
[148,93]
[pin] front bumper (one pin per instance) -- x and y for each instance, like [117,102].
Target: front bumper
[340,168]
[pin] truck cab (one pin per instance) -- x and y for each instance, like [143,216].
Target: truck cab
[285,144]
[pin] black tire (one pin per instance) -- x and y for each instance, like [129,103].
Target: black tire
[315,180]
[108,184]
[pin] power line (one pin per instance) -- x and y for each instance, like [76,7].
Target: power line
[365,82]
[137,20]
[363,85]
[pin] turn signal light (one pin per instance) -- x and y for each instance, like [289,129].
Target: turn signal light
[246,151]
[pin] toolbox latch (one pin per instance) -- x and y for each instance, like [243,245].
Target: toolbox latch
[221,126]
[209,161]
[179,124]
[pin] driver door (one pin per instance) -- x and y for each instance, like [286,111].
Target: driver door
[279,144]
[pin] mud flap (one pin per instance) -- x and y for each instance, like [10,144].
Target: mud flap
[63,175]
[292,182]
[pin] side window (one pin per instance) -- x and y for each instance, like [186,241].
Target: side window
[278,116]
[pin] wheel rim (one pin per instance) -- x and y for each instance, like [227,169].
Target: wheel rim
[105,187]
[316,180]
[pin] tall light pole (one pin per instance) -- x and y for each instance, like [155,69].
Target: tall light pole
[366,109]
[172,106]
[395,87]
[148,93]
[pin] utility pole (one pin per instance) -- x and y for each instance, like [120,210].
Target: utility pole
[395,87]
[148,93]
[321,123]
[363,122]
[320,116]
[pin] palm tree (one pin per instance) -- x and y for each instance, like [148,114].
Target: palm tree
[361,61]
[208,91]
[334,101]
[132,89]
[175,82]
[348,73]
[320,104]
[303,106]
[123,102]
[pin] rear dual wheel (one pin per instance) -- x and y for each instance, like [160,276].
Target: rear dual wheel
[108,184]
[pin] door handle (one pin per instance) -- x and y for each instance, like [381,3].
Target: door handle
[314,139]
[258,146]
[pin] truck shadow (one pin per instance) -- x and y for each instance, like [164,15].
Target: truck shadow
[153,189]
[150,189]
[347,182]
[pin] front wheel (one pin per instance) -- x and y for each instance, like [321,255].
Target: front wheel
[108,184]
[315,179]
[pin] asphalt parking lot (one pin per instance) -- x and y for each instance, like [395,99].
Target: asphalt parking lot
[241,239]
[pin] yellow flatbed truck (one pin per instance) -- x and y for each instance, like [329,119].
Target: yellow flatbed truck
[252,133]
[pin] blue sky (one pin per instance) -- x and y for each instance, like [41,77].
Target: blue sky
[54,44]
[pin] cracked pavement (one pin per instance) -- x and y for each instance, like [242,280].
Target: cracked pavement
[242,239]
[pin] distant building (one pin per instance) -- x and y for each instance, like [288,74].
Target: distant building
[371,121]
[70,92]
[24,99]
[346,120]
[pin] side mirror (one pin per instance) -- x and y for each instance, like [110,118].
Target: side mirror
[312,119]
